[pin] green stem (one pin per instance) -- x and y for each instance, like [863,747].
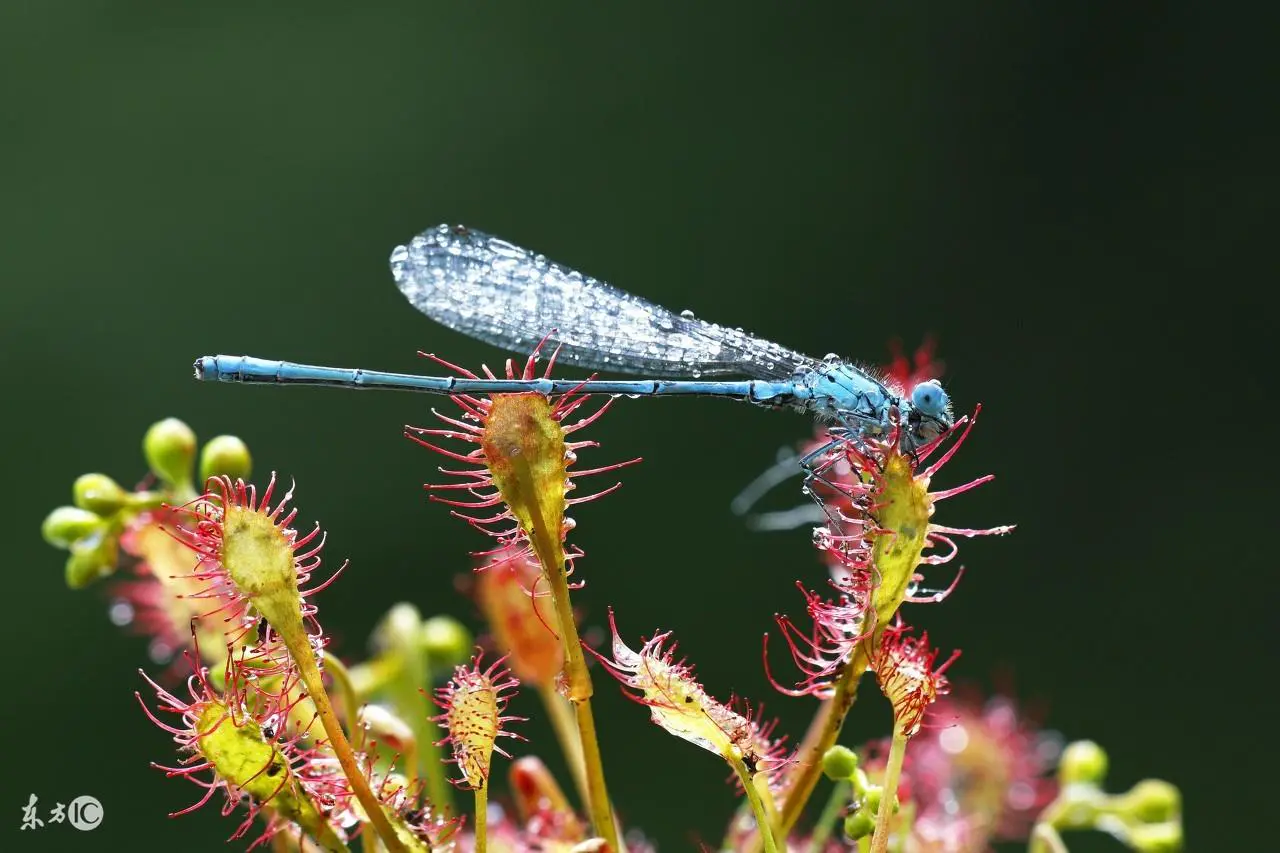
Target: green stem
[597,794]
[342,680]
[375,676]
[551,556]
[892,772]
[830,813]
[408,697]
[1045,839]
[823,732]
[304,657]
[351,710]
[482,818]
[761,781]
[757,804]
[566,729]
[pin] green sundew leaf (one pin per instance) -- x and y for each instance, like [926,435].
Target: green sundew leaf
[243,757]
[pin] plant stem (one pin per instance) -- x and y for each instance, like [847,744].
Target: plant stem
[892,772]
[408,698]
[757,805]
[351,710]
[566,728]
[822,829]
[1045,839]
[551,555]
[374,675]
[342,680]
[822,735]
[310,674]
[761,781]
[482,818]
[597,794]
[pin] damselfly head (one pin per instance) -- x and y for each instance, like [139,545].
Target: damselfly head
[929,413]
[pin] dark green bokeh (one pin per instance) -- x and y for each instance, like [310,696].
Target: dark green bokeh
[1057,195]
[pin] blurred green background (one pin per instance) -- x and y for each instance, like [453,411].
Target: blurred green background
[1059,195]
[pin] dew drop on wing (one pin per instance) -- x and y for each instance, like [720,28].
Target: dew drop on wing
[695,373]
[688,315]
[831,358]
[502,247]
[632,396]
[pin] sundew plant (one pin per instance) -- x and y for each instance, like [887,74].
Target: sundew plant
[306,746]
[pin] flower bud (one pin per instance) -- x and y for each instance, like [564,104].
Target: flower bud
[67,525]
[98,493]
[225,455]
[170,449]
[445,641]
[1082,761]
[386,728]
[399,628]
[90,559]
[1153,801]
[1156,838]
[535,790]
[839,763]
[858,825]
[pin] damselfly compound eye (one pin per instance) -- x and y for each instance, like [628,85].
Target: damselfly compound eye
[929,399]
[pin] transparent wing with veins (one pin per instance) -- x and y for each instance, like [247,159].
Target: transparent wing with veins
[504,295]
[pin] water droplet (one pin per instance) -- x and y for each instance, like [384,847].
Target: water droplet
[505,249]
[159,652]
[688,315]
[633,396]
[831,358]
[695,373]
[120,613]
